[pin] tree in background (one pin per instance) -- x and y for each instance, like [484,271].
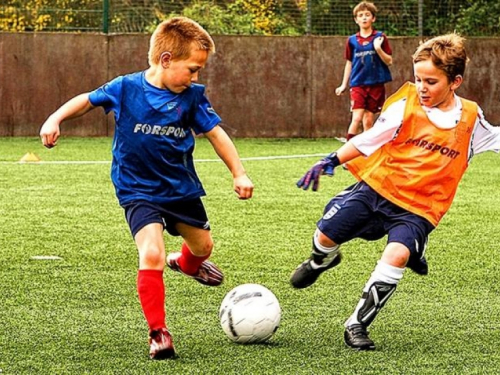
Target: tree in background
[248,17]
[253,17]
[231,18]
[41,15]
[23,16]
[479,18]
[272,17]
[262,12]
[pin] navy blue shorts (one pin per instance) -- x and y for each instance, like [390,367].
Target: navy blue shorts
[360,212]
[141,213]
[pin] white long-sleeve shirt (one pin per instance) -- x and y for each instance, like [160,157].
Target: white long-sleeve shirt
[485,137]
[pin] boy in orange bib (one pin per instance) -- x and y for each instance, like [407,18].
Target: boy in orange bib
[409,166]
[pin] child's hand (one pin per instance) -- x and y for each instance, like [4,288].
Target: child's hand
[339,90]
[325,166]
[377,43]
[243,186]
[49,133]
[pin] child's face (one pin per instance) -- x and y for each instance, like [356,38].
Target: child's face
[364,19]
[433,86]
[179,74]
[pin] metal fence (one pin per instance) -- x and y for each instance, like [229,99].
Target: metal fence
[265,17]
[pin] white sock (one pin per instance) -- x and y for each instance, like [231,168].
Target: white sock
[384,273]
[330,252]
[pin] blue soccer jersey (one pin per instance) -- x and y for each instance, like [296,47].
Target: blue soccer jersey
[367,66]
[154,141]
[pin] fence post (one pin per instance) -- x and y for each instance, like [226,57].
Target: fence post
[308,17]
[105,16]
[420,18]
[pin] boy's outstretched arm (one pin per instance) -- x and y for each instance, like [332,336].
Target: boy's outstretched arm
[226,150]
[345,78]
[50,131]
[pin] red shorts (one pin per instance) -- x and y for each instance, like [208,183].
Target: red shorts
[371,97]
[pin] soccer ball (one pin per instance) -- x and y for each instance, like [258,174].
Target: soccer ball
[249,314]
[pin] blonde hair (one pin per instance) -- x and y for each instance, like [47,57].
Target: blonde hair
[447,53]
[179,36]
[365,5]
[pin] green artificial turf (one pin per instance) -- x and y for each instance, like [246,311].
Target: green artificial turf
[80,314]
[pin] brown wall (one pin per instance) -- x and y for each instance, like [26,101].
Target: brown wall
[261,86]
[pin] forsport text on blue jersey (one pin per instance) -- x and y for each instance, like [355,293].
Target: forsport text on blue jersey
[160,130]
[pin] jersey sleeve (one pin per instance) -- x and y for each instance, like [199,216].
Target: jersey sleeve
[385,129]
[205,117]
[486,137]
[386,47]
[348,50]
[108,95]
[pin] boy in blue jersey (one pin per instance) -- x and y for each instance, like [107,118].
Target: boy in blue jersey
[157,112]
[368,57]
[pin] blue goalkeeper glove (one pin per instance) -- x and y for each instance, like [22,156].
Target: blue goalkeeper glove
[324,166]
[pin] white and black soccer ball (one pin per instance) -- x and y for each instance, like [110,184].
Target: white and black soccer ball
[250,314]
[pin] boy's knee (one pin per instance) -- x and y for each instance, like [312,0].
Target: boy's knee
[323,240]
[202,249]
[356,120]
[152,257]
[396,254]
[208,247]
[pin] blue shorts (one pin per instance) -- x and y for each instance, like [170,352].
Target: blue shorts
[360,212]
[141,213]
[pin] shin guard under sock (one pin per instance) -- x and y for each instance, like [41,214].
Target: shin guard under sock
[376,293]
[151,290]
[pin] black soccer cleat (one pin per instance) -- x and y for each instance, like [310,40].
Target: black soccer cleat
[356,337]
[305,275]
[419,266]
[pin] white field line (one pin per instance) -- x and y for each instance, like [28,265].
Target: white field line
[76,162]
[46,257]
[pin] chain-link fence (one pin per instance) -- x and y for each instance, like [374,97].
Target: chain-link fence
[250,17]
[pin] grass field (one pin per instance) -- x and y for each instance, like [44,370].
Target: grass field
[81,314]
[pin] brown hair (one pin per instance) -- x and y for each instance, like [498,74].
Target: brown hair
[178,35]
[365,5]
[447,53]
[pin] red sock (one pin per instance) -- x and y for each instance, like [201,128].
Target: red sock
[350,136]
[151,291]
[188,262]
